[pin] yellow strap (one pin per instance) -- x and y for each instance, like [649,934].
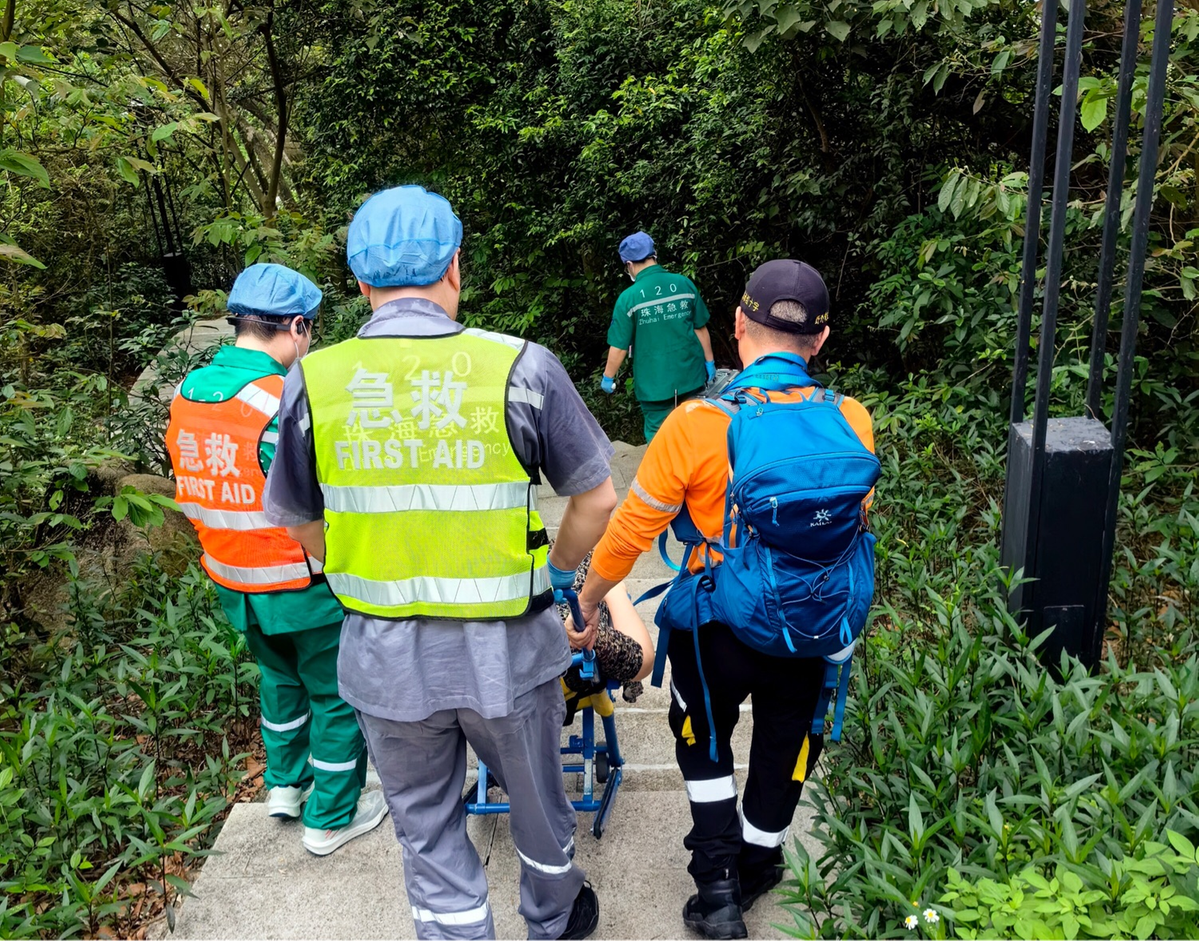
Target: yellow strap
[687,735]
[600,702]
[801,766]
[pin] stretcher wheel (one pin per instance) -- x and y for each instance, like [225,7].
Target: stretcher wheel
[601,767]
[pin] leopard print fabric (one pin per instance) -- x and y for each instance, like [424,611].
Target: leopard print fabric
[617,655]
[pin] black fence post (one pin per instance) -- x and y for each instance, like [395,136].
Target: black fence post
[1060,470]
[1132,293]
[1032,225]
[1111,209]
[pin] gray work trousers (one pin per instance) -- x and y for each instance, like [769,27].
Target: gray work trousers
[423,769]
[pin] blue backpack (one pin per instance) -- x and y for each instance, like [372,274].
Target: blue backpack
[797,575]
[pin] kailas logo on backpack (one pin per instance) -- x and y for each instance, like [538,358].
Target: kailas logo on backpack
[797,577]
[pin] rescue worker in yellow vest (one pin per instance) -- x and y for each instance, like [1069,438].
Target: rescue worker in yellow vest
[221,438]
[408,458]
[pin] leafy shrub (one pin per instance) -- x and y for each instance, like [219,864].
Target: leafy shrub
[115,754]
[963,753]
[1153,894]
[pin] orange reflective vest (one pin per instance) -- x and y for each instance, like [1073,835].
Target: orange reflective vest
[218,485]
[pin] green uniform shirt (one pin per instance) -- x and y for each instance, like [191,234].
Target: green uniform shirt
[283,612]
[658,315]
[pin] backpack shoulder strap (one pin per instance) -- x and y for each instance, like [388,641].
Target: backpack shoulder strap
[827,395]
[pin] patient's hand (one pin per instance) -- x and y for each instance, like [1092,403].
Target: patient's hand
[584,639]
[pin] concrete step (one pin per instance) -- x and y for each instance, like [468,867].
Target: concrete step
[193,338]
[648,747]
[260,882]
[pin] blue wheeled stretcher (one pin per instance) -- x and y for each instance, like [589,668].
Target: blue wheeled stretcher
[599,763]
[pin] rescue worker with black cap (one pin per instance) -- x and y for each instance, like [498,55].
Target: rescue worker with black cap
[736,853]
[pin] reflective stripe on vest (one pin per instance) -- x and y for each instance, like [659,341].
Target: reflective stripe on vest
[429,512]
[218,486]
[260,399]
[458,498]
[447,591]
[255,575]
[238,520]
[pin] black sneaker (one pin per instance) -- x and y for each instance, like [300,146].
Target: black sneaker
[584,914]
[756,884]
[715,911]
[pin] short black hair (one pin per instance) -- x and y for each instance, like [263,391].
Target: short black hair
[792,312]
[260,326]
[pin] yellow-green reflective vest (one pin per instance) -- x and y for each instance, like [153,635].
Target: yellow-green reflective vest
[428,511]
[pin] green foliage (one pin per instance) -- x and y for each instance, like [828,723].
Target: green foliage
[1150,895]
[968,756]
[115,749]
[43,469]
[141,509]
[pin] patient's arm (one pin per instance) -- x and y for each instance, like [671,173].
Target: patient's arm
[626,620]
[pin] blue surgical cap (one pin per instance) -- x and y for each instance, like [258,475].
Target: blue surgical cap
[274,290]
[403,237]
[636,247]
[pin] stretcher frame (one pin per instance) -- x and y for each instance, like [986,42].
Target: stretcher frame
[600,763]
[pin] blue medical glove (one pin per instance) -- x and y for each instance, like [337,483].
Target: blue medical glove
[710,365]
[560,578]
[608,384]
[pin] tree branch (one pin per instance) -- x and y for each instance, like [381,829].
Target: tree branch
[281,107]
[10,14]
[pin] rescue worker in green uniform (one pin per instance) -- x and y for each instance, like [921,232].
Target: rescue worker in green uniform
[664,317]
[222,437]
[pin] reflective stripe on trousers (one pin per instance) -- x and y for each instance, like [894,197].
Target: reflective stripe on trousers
[542,867]
[285,726]
[711,791]
[431,589]
[334,765]
[469,917]
[751,834]
[257,575]
[465,498]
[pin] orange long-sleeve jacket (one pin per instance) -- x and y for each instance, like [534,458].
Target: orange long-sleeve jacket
[686,464]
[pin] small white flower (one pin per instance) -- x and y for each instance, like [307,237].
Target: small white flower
[931,916]
[911,921]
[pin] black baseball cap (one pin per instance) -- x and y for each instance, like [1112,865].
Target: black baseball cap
[786,279]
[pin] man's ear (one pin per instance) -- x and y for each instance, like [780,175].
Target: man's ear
[365,289]
[739,324]
[453,274]
[820,340]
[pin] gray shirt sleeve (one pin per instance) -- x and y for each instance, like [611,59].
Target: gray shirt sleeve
[293,496]
[552,429]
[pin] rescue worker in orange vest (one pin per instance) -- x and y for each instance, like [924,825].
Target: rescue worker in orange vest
[221,439]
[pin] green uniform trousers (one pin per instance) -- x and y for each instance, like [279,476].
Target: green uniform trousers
[303,717]
[654,413]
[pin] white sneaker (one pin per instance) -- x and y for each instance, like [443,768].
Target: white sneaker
[372,808]
[285,802]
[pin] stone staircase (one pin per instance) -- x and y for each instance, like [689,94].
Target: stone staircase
[260,882]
